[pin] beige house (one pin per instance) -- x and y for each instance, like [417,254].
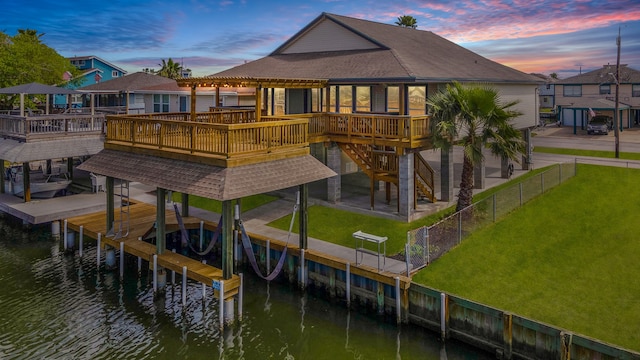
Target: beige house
[382,72]
[580,97]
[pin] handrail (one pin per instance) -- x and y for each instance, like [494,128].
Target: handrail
[45,126]
[224,140]
[425,173]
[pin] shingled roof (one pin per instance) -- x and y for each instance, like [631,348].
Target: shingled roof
[385,53]
[208,181]
[135,81]
[603,76]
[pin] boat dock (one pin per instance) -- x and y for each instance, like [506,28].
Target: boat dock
[142,217]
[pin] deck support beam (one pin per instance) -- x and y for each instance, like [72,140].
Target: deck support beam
[26,182]
[304,216]
[110,203]
[227,239]
[185,205]
[446,174]
[4,172]
[406,184]
[161,237]
[334,162]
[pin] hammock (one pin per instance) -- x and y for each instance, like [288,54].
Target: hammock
[185,235]
[246,244]
[248,248]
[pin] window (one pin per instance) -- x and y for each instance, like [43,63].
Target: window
[635,90]
[160,103]
[278,101]
[393,99]
[114,73]
[572,90]
[363,98]
[417,100]
[345,94]
[605,89]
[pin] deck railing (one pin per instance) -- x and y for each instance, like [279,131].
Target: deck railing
[222,140]
[50,126]
[389,127]
[216,117]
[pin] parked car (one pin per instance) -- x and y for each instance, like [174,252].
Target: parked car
[599,124]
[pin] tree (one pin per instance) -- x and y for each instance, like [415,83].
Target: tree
[170,69]
[25,59]
[407,21]
[553,76]
[474,117]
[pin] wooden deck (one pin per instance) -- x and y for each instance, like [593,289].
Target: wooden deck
[141,220]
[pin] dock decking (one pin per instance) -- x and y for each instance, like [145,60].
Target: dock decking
[141,219]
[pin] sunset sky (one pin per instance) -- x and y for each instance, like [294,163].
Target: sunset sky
[540,36]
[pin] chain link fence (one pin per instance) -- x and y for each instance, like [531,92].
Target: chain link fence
[427,243]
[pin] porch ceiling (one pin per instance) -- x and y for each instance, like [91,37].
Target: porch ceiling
[253,82]
[211,182]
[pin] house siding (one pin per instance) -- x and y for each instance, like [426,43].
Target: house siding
[328,36]
[528,102]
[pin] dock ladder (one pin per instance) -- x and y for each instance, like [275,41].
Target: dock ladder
[122,222]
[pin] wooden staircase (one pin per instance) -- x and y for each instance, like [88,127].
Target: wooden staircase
[381,164]
[425,184]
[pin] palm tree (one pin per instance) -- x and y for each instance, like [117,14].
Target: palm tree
[407,21]
[474,117]
[170,69]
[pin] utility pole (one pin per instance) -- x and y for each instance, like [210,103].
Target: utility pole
[616,116]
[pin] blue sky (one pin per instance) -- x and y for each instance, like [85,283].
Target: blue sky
[209,36]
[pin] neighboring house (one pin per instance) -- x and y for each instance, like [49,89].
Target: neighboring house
[376,68]
[94,71]
[546,91]
[143,92]
[580,97]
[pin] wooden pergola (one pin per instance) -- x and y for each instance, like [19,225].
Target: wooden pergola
[253,82]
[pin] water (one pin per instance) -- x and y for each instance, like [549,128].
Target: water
[57,306]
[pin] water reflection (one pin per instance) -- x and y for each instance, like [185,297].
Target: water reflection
[60,306]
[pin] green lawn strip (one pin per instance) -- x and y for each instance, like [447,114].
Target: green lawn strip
[337,226]
[593,153]
[569,258]
[247,203]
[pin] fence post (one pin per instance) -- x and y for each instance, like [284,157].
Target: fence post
[520,185]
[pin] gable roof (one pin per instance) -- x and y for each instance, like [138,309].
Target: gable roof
[89,57]
[135,81]
[602,76]
[344,49]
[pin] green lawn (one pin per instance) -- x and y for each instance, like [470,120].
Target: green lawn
[570,258]
[246,204]
[596,153]
[337,226]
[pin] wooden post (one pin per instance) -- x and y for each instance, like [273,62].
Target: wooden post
[4,173]
[507,331]
[304,216]
[258,103]
[217,96]
[70,167]
[110,203]
[26,182]
[185,206]
[160,221]
[227,239]
[193,102]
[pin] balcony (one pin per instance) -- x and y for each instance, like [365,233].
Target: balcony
[50,127]
[234,138]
